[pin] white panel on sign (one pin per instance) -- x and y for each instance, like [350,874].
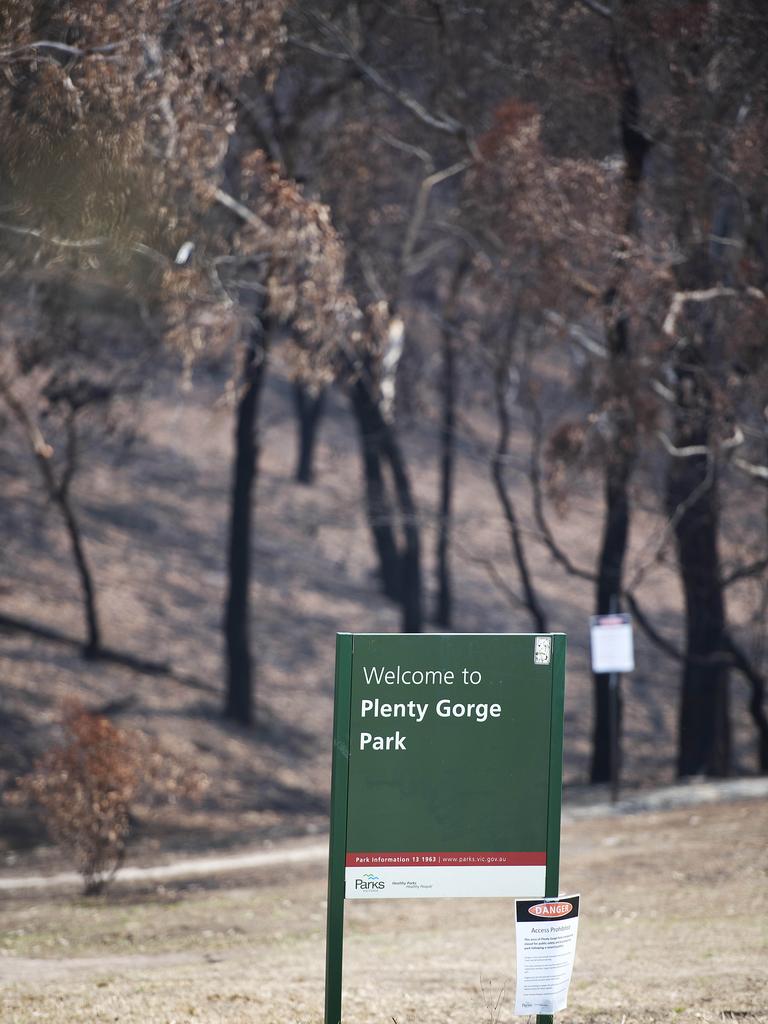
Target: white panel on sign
[403,883]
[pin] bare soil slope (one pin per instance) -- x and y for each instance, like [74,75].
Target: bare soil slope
[155,524]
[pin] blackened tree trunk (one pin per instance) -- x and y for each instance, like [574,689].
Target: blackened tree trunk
[621,456]
[379,508]
[239,703]
[622,442]
[410,558]
[309,409]
[444,598]
[92,646]
[756,704]
[61,495]
[704,733]
[400,570]
[498,475]
[59,492]
[444,601]
[704,746]
[609,585]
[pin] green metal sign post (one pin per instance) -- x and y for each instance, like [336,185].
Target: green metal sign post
[447,772]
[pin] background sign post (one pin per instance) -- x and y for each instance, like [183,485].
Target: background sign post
[612,649]
[447,772]
[554,808]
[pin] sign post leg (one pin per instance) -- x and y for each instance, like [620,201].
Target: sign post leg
[337,853]
[613,712]
[554,808]
[334,952]
[613,691]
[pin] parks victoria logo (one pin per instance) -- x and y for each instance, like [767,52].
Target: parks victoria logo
[369,881]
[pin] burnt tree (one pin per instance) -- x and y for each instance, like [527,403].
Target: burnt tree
[239,704]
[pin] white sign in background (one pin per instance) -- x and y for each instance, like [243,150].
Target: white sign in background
[546,946]
[611,643]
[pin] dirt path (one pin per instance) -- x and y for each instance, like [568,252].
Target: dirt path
[583,805]
[193,867]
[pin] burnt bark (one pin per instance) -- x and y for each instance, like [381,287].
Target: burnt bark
[622,442]
[609,586]
[93,644]
[378,504]
[444,596]
[410,558]
[400,570]
[61,496]
[309,407]
[756,704]
[240,699]
[621,457]
[704,746]
[59,492]
[704,730]
[498,475]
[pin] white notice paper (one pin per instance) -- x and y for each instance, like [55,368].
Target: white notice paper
[546,945]
[611,643]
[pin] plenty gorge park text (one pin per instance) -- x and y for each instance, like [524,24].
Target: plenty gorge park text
[417,711]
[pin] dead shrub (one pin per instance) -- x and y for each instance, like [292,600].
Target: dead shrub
[85,788]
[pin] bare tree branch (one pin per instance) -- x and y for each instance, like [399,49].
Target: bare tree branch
[420,210]
[319,51]
[649,629]
[406,147]
[752,469]
[236,207]
[372,279]
[672,521]
[50,44]
[745,572]
[597,8]
[679,299]
[692,450]
[578,334]
[444,123]
[426,256]
[82,243]
[689,451]
[65,243]
[37,442]
[491,569]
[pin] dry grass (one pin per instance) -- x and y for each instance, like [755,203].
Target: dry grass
[673,929]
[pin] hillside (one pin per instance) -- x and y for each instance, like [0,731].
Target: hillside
[154,518]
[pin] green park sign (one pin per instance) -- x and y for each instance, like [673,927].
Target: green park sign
[447,771]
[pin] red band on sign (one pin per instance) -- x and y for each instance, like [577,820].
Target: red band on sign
[392,859]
